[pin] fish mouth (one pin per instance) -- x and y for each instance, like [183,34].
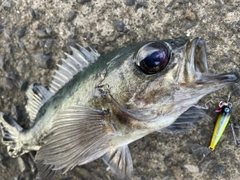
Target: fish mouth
[199,65]
[197,56]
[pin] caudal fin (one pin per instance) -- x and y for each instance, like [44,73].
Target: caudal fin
[10,135]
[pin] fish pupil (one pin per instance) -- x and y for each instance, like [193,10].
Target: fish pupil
[156,59]
[226,109]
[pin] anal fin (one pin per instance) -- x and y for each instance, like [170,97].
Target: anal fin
[120,161]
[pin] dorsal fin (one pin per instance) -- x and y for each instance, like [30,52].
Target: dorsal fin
[71,66]
[37,95]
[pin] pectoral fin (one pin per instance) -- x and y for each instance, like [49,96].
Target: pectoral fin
[79,135]
[185,121]
[120,161]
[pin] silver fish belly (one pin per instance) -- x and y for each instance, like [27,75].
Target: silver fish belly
[97,105]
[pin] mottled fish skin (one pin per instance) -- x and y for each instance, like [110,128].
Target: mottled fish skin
[96,106]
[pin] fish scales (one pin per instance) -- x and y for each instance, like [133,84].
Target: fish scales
[96,106]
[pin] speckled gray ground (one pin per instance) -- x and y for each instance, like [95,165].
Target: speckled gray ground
[34,34]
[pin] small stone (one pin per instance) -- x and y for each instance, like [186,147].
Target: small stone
[6,4]
[11,75]
[129,2]
[218,169]
[192,168]
[32,13]
[71,42]
[7,84]
[23,84]
[211,34]
[2,62]
[82,1]
[199,152]
[42,60]
[238,44]
[21,67]
[1,28]
[119,25]
[21,45]
[49,31]
[20,32]
[236,90]
[70,16]
[48,43]
[8,48]
[42,42]
[190,15]
[191,24]
[41,33]
[140,5]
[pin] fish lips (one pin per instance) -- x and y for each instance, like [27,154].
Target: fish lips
[198,60]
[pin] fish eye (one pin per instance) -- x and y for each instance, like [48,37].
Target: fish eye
[152,57]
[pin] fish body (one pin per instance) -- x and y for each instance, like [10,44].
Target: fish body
[96,106]
[221,123]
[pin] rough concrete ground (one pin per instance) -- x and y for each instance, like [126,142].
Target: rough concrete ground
[34,34]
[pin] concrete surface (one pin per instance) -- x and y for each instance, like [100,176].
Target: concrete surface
[34,34]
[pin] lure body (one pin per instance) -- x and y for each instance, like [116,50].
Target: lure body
[221,124]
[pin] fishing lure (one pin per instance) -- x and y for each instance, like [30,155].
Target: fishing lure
[222,122]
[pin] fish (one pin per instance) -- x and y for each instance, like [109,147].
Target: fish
[97,105]
[223,119]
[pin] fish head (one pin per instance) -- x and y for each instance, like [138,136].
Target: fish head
[165,78]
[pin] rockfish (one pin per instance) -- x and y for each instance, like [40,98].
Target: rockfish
[97,105]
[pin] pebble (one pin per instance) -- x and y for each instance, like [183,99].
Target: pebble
[7,84]
[192,168]
[119,25]
[82,1]
[2,62]
[6,4]
[41,33]
[70,16]
[23,84]
[42,42]
[236,90]
[48,43]
[211,34]
[11,75]
[32,13]
[190,15]
[129,2]
[71,42]
[21,67]
[8,48]
[1,28]
[42,60]
[238,44]
[49,30]
[21,45]
[218,169]
[20,32]
[140,5]
[191,24]
[199,152]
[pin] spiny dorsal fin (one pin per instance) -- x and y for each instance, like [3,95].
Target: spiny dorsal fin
[120,161]
[37,95]
[79,135]
[71,66]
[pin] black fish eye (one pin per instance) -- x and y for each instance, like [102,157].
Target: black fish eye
[152,57]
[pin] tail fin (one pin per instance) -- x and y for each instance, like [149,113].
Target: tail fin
[10,135]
